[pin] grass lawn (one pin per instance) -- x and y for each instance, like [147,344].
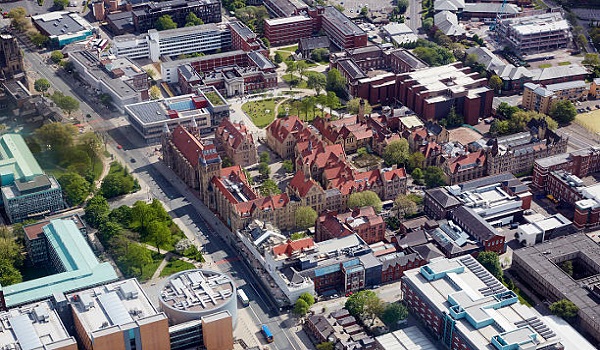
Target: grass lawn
[295,81]
[308,73]
[566,63]
[284,54]
[292,48]
[149,269]
[545,65]
[589,120]
[300,113]
[175,266]
[261,112]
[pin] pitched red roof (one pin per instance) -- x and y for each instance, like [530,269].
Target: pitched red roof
[390,174]
[301,185]
[467,161]
[293,246]
[187,144]
[282,127]
[233,134]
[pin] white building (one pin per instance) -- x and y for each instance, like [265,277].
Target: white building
[540,32]
[172,42]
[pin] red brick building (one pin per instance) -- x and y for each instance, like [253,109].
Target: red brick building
[288,30]
[363,221]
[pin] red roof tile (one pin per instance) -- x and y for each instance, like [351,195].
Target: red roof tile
[187,144]
[301,185]
[233,133]
[293,246]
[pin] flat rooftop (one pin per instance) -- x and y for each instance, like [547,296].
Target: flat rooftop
[537,24]
[61,23]
[197,290]
[410,338]
[341,22]
[157,111]
[16,159]
[442,78]
[32,327]
[285,20]
[112,305]
[483,309]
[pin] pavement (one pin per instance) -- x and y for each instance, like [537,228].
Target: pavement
[413,15]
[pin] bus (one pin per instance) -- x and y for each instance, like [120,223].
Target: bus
[243,297]
[267,333]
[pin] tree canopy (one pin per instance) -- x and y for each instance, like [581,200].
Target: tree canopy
[305,217]
[96,211]
[563,111]
[316,82]
[61,4]
[56,56]
[75,187]
[564,308]
[269,187]
[192,20]
[495,83]
[491,261]
[319,55]
[301,307]
[365,199]
[165,22]
[405,206]
[56,136]
[393,313]
[118,182]
[336,82]
[364,304]
[41,85]
[434,177]
[396,152]
[353,105]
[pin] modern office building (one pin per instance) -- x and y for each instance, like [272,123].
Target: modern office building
[150,118]
[539,267]
[288,30]
[145,15]
[540,99]
[34,198]
[34,326]
[534,33]
[120,78]
[62,27]
[173,42]
[73,261]
[465,307]
[118,315]
[36,241]
[16,160]
[539,229]
[192,294]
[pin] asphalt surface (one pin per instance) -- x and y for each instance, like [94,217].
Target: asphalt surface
[413,15]
[170,190]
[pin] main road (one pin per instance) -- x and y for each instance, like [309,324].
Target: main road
[163,184]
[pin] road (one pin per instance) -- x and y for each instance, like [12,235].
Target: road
[413,15]
[159,182]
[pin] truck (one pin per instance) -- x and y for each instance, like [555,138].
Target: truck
[267,333]
[243,297]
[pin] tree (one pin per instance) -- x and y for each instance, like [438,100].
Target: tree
[417,175]
[591,59]
[269,188]
[363,303]
[500,127]
[434,177]
[301,67]
[61,4]
[364,11]
[393,313]
[396,152]
[165,22]
[155,93]
[327,345]
[305,217]
[56,136]
[491,262]
[141,217]
[333,101]
[96,211]
[9,274]
[290,68]
[353,105]
[38,39]
[192,20]
[75,187]
[114,185]
[316,82]
[109,229]
[10,249]
[336,82]
[308,298]
[567,267]
[563,111]
[564,308]
[471,60]
[41,85]
[427,24]
[278,58]
[19,21]
[319,55]
[266,42]
[67,103]
[138,256]
[264,157]
[365,199]
[495,83]
[405,206]
[506,111]
[454,119]
[288,166]
[159,233]
[581,41]
[56,56]
[301,307]
[402,6]
[264,169]
[415,160]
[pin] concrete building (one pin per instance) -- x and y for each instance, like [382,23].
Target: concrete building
[399,33]
[534,33]
[559,74]
[145,15]
[342,32]
[192,294]
[205,38]
[118,316]
[539,267]
[236,141]
[36,242]
[75,265]
[42,195]
[407,338]
[539,230]
[62,27]
[34,326]
[540,99]
[120,78]
[150,117]
[465,307]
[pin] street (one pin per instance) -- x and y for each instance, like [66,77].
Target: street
[159,182]
[413,15]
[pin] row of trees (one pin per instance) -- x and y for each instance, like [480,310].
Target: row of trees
[166,22]
[21,23]
[512,119]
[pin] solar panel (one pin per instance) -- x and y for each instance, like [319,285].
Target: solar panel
[25,333]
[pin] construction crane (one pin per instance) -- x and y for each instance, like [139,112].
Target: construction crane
[498,14]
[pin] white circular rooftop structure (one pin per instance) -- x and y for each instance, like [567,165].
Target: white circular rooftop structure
[192,294]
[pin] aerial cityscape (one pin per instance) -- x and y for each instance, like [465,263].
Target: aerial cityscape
[299,174]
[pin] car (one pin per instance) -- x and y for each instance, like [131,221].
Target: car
[132,160]
[407,17]
[119,147]
[375,286]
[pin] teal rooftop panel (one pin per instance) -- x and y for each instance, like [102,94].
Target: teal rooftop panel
[16,159]
[67,241]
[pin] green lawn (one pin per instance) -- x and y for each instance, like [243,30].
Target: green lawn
[261,112]
[292,48]
[295,81]
[564,63]
[175,266]
[545,65]
[284,54]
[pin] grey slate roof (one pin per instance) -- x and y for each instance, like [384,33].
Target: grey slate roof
[445,199]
